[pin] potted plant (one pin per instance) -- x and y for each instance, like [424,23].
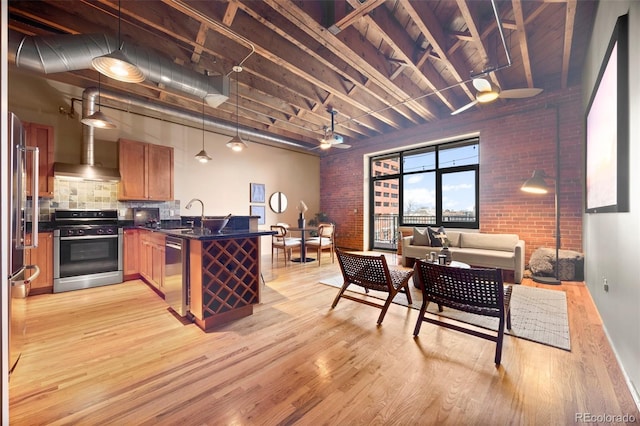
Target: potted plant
[317,220]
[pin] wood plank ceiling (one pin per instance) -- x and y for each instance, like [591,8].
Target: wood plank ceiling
[382,65]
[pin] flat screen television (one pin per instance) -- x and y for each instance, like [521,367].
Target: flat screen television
[607,129]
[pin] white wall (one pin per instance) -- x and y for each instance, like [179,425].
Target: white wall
[223,185]
[611,239]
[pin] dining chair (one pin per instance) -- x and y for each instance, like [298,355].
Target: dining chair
[324,241]
[282,241]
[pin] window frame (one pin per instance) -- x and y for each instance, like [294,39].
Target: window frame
[439,173]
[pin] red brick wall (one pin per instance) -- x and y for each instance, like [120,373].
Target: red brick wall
[516,137]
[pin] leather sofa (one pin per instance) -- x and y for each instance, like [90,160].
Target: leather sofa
[505,251]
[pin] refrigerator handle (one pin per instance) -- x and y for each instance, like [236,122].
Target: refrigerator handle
[35,186]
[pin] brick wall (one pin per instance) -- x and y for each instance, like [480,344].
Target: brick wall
[516,137]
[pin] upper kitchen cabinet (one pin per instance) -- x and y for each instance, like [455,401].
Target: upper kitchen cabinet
[41,136]
[146,171]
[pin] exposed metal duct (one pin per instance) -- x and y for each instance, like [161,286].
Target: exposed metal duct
[89,171]
[70,52]
[90,94]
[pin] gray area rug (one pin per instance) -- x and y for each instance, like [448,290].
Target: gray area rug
[537,314]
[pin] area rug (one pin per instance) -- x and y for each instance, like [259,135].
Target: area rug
[537,314]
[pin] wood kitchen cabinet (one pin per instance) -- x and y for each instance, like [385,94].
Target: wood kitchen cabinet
[131,247]
[146,171]
[152,251]
[43,257]
[41,136]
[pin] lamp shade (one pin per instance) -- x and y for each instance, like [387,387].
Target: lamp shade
[536,183]
[236,144]
[117,66]
[202,156]
[98,119]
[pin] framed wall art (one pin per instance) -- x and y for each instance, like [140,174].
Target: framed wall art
[607,129]
[259,211]
[257,193]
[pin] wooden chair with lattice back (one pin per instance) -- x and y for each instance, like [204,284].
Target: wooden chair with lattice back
[478,291]
[324,241]
[372,273]
[282,241]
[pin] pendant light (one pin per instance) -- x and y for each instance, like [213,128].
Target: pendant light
[236,143]
[98,119]
[116,64]
[202,156]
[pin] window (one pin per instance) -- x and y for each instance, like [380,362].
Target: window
[435,185]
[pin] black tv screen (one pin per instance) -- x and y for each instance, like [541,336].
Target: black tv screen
[607,129]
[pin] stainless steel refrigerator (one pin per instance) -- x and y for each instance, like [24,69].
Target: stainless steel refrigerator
[18,154]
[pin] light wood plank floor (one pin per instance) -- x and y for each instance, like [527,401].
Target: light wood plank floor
[116,355]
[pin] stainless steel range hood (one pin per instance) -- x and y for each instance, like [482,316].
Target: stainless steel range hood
[86,172]
[87,169]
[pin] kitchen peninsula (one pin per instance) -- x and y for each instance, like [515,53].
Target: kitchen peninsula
[223,273]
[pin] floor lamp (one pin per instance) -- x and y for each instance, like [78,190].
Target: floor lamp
[537,185]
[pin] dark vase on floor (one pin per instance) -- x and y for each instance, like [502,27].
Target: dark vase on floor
[447,252]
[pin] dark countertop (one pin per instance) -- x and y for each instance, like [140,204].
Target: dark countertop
[198,234]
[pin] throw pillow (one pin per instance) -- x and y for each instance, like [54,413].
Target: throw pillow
[437,236]
[421,237]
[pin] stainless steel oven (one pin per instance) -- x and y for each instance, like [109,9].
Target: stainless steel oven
[87,249]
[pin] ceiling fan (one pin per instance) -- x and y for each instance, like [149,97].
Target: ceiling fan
[488,92]
[330,138]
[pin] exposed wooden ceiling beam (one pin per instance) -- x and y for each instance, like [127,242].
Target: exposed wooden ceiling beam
[522,39]
[569,20]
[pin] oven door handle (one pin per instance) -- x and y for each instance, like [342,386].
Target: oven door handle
[88,237]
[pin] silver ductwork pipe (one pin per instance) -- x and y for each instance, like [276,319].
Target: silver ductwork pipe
[63,53]
[70,52]
[90,95]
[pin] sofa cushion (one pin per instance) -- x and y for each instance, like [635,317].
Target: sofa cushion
[421,237]
[437,236]
[502,242]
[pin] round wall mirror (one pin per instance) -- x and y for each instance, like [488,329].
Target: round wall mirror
[278,202]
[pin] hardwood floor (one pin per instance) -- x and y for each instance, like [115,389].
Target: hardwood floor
[117,355]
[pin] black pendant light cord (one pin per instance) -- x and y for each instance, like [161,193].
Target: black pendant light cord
[203,124]
[237,105]
[119,23]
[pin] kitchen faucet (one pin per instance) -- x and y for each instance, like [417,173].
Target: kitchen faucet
[188,206]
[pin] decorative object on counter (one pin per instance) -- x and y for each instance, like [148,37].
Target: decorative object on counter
[188,206]
[257,193]
[216,224]
[98,119]
[259,211]
[278,202]
[116,64]
[236,143]
[202,156]
[302,208]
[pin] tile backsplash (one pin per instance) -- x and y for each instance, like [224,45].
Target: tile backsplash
[89,195]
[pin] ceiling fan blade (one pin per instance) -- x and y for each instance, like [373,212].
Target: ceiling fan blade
[341,146]
[520,93]
[464,108]
[481,84]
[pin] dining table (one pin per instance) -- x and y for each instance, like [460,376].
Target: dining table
[303,248]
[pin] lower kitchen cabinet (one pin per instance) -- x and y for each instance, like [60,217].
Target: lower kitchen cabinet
[152,250]
[43,257]
[131,248]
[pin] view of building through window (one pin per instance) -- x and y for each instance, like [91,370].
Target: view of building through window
[435,185]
